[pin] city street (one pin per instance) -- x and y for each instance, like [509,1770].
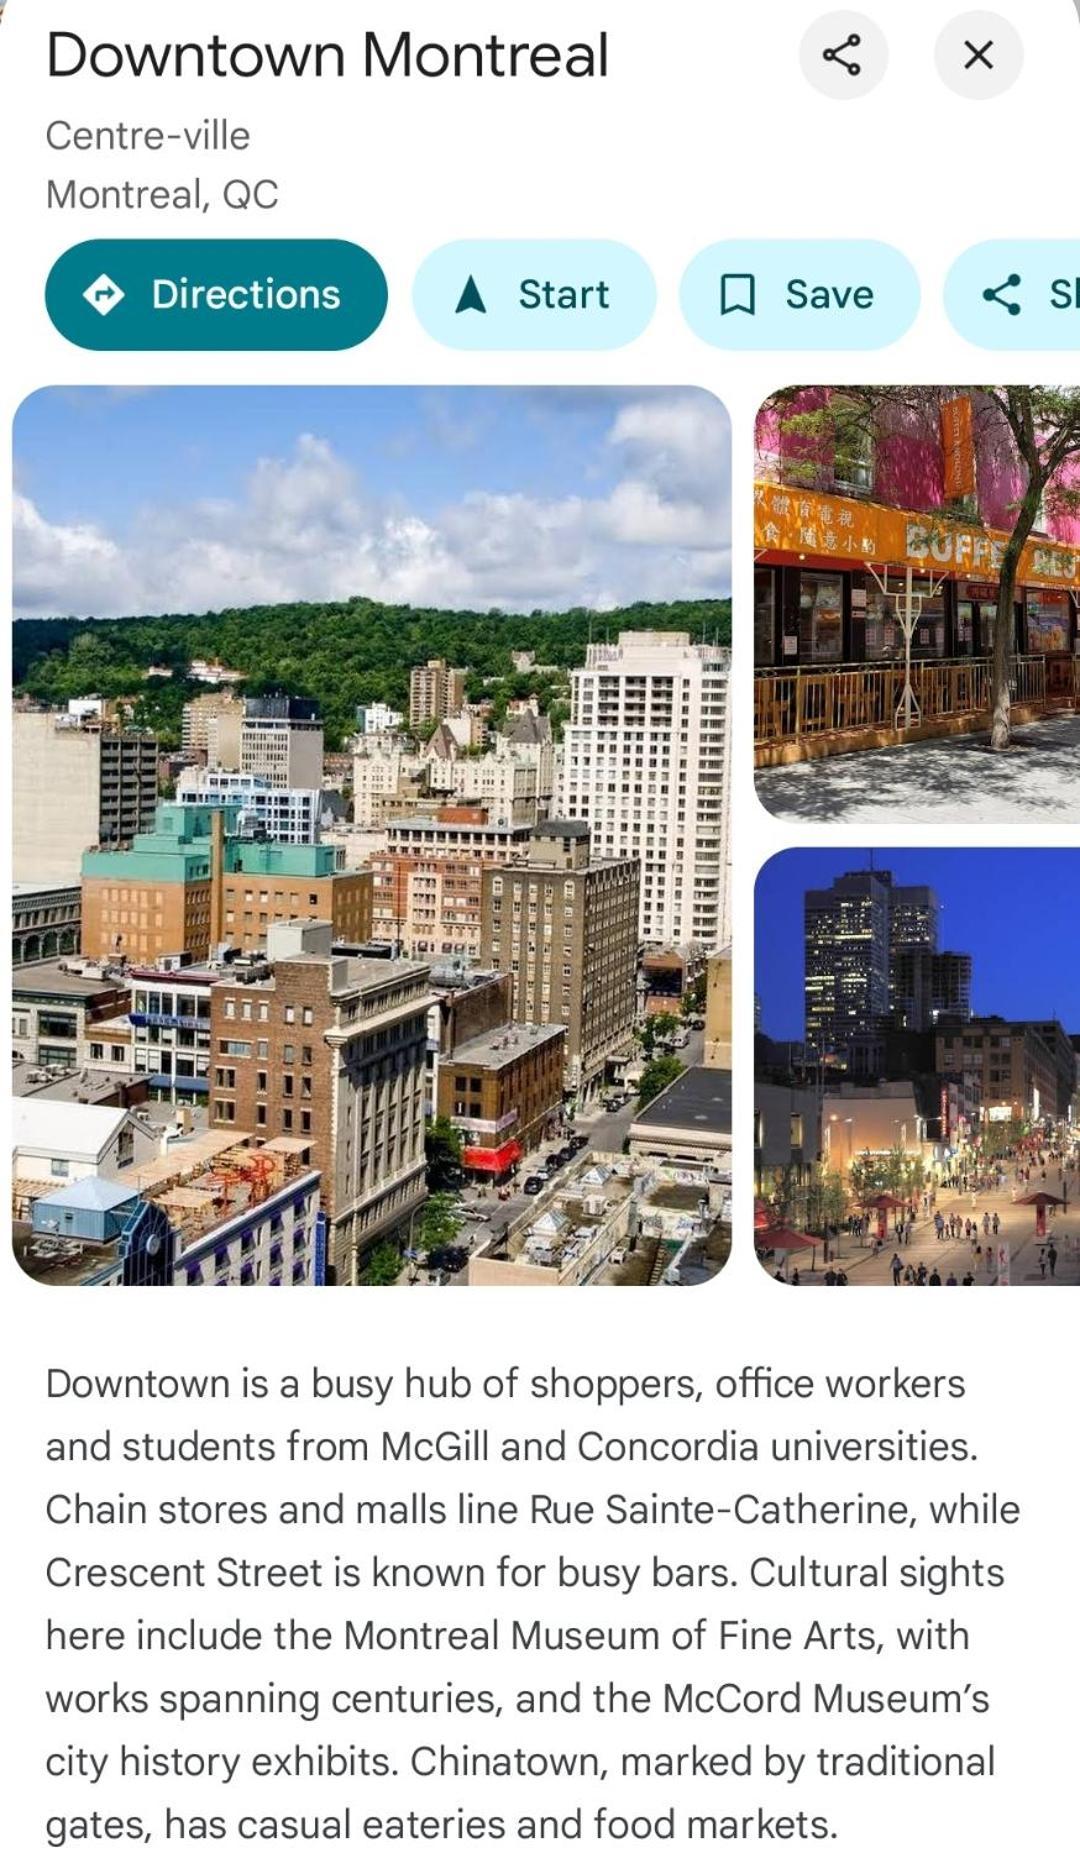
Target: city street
[864,1267]
[1039,778]
[606,1133]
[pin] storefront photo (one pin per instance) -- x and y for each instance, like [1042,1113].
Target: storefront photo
[886,522]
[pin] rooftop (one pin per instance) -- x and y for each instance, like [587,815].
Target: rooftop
[77,1086]
[54,977]
[21,889]
[497,1048]
[64,1126]
[563,826]
[699,1097]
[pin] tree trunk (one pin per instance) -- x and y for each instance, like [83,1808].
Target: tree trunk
[1000,698]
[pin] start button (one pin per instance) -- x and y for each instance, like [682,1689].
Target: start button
[520,293]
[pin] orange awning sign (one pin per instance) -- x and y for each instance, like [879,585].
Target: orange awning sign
[796,521]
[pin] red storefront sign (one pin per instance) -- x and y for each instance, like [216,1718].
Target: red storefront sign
[492,1158]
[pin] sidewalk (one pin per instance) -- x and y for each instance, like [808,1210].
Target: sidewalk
[1038,781]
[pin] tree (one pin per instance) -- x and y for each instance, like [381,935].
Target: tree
[658,1075]
[443,1146]
[1045,425]
[383,1266]
[436,1224]
[836,438]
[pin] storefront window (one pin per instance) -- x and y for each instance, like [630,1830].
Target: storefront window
[885,633]
[821,617]
[1048,623]
[764,616]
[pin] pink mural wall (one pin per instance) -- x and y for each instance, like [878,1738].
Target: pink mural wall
[909,461]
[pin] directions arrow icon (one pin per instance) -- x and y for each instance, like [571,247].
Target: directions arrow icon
[471,298]
[103,294]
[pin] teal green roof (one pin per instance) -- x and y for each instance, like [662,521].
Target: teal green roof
[248,857]
[177,849]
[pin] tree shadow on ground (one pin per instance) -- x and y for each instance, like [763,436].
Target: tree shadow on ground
[1038,778]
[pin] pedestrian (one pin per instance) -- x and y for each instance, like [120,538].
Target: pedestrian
[996,1225]
[952,1281]
[897,1268]
[968,1280]
[794,1277]
[1051,1256]
[920,1278]
[935,1279]
[1042,1262]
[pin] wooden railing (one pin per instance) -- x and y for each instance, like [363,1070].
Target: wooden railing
[798,704]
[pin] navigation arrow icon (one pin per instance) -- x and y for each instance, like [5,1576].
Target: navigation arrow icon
[471,298]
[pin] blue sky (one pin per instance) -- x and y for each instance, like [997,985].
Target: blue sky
[180,498]
[1015,911]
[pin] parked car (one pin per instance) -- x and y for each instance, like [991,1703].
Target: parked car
[534,1184]
[479,1216]
[447,1260]
[614,1103]
[579,1141]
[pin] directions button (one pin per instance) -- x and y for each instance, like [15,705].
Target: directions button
[534,293]
[776,293]
[226,294]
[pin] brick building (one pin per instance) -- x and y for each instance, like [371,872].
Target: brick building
[428,881]
[331,1050]
[1018,1066]
[566,928]
[503,1091]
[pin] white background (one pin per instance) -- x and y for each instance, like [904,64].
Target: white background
[705,129]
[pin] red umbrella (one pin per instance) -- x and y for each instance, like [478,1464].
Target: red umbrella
[1040,1201]
[887,1202]
[782,1237]
[762,1213]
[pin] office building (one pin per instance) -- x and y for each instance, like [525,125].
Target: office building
[263,884]
[382,769]
[331,1050]
[428,880]
[193,883]
[76,783]
[56,1007]
[928,987]
[1021,1070]
[436,692]
[210,724]
[645,764]
[565,927]
[281,739]
[152,898]
[282,814]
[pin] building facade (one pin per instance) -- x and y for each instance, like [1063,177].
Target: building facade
[646,762]
[331,1050]
[76,784]
[281,813]
[565,927]
[199,732]
[266,883]
[281,739]
[377,717]
[846,499]
[153,898]
[1015,1066]
[436,692]
[503,1092]
[55,1011]
[428,883]
[46,918]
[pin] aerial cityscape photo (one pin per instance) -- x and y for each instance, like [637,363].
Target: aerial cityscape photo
[917,604]
[916,1091]
[371,913]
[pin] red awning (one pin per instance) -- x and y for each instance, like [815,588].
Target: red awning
[493,1158]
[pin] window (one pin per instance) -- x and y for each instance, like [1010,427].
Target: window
[308,1014]
[59,1167]
[287,1085]
[290,1013]
[288,1052]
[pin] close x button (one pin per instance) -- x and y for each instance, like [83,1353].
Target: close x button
[980,56]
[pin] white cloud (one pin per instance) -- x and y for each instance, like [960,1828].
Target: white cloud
[305,526]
